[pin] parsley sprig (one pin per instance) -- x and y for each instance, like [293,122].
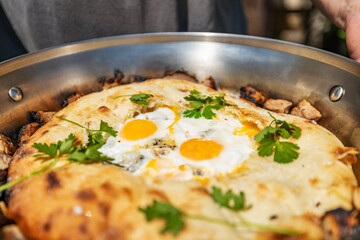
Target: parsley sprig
[268,138]
[69,151]
[204,105]
[175,218]
[141,98]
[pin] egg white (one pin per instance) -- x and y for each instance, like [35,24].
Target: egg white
[137,158]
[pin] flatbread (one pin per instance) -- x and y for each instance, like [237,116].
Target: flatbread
[97,201]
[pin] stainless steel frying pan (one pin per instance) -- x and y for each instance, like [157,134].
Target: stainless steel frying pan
[283,70]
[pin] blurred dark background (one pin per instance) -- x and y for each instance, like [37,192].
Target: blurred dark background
[290,20]
[294,21]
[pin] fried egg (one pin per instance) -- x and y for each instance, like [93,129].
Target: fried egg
[162,143]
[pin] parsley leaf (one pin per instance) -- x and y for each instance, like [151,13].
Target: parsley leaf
[266,147]
[88,154]
[104,127]
[56,150]
[204,105]
[268,138]
[95,136]
[49,150]
[140,98]
[173,217]
[195,113]
[229,199]
[285,152]
[208,113]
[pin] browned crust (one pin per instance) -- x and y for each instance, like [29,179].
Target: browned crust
[101,201]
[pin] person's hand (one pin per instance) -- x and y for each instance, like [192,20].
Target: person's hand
[346,15]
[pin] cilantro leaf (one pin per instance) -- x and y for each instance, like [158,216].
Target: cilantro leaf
[267,147]
[66,145]
[268,138]
[285,152]
[95,138]
[173,217]
[263,133]
[208,113]
[196,104]
[104,127]
[195,113]
[296,131]
[140,98]
[204,104]
[88,154]
[49,150]
[229,199]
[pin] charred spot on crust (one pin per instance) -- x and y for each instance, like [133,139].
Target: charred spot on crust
[47,226]
[136,78]
[127,191]
[107,186]
[86,195]
[116,78]
[341,224]
[26,132]
[45,132]
[279,236]
[273,217]
[23,152]
[72,97]
[36,116]
[159,195]
[103,109]
[201,190]
[53,181]
[253,95]
[209,82]
[83,228]
[104,208]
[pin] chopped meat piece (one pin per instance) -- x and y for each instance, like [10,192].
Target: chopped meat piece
[209,82]
[41,117]
[182,75]
[11,232]
[113,81]
[47,116]
[6,146]
[278,105]
[136,78]
[340,224]
[251,94]
[72,98]
[4,163]
[26,131]
[305,110]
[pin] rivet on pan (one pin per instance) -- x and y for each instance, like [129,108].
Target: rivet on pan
[15,94]
[336,93]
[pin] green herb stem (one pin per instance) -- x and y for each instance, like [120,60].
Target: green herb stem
[72,122]
[210,219]
[119,96]
[41,170]
[266,228]
[243,223]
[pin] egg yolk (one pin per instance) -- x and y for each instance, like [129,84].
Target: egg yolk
[138,129]
[176,119]
[250,129]
[199,149]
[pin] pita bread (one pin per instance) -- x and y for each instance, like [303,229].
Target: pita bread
[97,201]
